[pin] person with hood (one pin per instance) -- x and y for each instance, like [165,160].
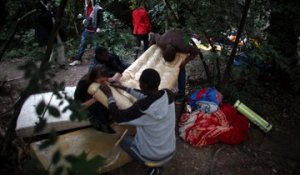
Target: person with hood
[153,114]
[93,19]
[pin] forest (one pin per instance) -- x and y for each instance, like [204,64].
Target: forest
[263,72]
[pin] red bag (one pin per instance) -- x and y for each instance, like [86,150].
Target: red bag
[225,125]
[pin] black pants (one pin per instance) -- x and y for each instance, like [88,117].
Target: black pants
[99,113]
[143,38]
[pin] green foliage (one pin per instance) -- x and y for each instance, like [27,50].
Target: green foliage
[117,37]
[82,165]
[24,46]
[78,114]
[158,17]
[51,140]
[31,167]
[40,125]
[41,107]
[56,157]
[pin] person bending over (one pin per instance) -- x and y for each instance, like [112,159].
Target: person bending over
[153,114]
[171,42]
[111,61]
[98,114]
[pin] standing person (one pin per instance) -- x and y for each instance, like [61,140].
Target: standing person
[141,27]
[171,42]
[46,18]
[98,114]
[93,19]
[154,117]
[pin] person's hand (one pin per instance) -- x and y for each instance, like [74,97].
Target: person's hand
[115,78]
[106,90]
[117,84]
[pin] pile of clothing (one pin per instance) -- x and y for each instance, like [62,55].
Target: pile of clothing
[210,121]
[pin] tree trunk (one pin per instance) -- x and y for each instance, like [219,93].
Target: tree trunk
[283,33]
[226,75]
[3,13]
[213,49]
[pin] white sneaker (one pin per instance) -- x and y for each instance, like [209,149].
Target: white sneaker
[75,63]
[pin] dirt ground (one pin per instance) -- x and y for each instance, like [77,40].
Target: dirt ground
[276,152]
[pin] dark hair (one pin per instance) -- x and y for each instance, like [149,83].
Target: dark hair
[169,53]
[98,71]
[151,78]
[100,50]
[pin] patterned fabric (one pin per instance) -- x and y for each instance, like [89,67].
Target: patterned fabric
[225,125]
[206,100]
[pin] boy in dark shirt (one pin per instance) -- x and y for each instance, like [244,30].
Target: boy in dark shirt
[111,61]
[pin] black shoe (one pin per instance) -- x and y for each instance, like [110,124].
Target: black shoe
[153,171]
[106,128]
[101,127]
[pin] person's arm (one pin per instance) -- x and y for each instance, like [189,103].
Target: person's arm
[88,103]
[192,51]
[116,63]
[80,94]
[134,92]
[115,78]
[119,115]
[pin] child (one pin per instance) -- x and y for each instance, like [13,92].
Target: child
[98,114]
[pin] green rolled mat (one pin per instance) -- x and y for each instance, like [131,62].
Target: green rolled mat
[252,116]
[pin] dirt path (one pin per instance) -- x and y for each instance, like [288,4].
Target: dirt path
[277,152]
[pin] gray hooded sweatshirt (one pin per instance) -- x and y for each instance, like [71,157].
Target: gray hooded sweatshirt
[154,118]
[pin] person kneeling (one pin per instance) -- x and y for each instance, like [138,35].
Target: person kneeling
[154,117]
[98,113]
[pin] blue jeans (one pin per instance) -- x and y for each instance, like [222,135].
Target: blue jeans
[181,81]
[126,146]
[86,38]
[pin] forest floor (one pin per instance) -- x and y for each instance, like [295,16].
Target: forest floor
[275,152]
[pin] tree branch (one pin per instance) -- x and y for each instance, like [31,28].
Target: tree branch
[10,132]
[235,45]
[12,34]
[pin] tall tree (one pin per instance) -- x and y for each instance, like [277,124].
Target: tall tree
[284,28]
